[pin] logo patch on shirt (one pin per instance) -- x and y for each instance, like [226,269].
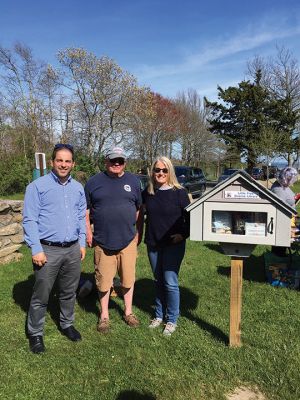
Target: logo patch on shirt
[127,188]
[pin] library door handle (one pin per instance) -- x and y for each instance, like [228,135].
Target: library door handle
[270,226]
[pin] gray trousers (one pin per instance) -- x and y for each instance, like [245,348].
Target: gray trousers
[63,264]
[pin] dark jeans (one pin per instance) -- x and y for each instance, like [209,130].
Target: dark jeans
[64,265]
[165,263]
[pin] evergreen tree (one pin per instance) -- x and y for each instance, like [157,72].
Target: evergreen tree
[245,112]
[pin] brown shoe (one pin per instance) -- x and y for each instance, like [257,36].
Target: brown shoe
[131,320]
[103,325]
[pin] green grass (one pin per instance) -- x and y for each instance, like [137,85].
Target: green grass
[195,363]
[15,196]
[296,187]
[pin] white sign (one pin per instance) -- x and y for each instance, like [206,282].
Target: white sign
[231,194]
[255,229]
[37,160]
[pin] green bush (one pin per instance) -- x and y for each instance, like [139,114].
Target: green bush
[84,168]
[15,174]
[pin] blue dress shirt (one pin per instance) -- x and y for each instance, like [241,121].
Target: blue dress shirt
[54,211]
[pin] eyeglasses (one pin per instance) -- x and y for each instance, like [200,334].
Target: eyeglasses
[64,146]
[163,170]
[119,161]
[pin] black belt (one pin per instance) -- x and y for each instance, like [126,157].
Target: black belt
[58,244]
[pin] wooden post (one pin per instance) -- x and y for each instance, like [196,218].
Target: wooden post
[235,302]
[41,165]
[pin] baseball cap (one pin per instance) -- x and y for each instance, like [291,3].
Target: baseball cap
[115,152]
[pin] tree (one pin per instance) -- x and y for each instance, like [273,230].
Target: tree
[269,146]
[153,125]
[281,77]
[23,98]
[245,111]
[198,144]
[102,94]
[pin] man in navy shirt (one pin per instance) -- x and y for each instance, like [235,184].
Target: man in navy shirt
[114,198]
[54,229]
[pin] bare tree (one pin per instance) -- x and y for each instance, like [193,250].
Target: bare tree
[102,92]
[197,142]
[26,110]
[281,76]
[269,145]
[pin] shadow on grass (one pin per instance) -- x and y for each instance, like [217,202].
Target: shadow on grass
[22,292]
[90,302]
[214,247]
[134,395]
[144,296]
[253,269]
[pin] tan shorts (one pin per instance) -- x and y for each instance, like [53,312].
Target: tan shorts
[109,262]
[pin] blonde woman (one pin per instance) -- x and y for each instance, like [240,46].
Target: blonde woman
[167,228]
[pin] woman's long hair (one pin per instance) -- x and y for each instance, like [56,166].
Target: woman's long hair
[172,180]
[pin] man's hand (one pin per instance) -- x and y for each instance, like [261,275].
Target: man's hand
[89,237]
[138,238]
[82,252]
[39,259]
[89,233]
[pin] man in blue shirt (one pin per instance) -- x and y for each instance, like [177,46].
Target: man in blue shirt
[114,199]
[54,229]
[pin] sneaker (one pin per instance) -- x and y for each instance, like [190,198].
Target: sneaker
[103,325]
[155,323]
[169,329]
[131,320]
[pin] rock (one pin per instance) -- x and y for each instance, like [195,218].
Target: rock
[4,242]
[11,229]
[4,206]
[10,258]
[9,249]
[19,238]
[17,218]
[5,219]
[16,205]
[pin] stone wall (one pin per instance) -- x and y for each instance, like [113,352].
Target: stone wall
[11,232]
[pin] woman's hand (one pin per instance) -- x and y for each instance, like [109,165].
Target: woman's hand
[176,238]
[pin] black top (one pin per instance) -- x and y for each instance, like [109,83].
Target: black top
[165,216]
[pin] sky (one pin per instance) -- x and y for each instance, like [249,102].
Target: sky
[168,45]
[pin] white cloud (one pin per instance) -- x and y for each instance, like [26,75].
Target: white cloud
[250,39]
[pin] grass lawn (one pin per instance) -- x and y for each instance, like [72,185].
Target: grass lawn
[194,363]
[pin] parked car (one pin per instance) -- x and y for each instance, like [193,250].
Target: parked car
[273,171]
[227,173]
[144,179]
[191,178]
[257,173]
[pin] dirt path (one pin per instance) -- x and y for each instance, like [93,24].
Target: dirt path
[244,393]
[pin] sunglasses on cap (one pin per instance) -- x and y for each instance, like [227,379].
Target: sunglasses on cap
[119,161]
[64,146]
[163,170]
